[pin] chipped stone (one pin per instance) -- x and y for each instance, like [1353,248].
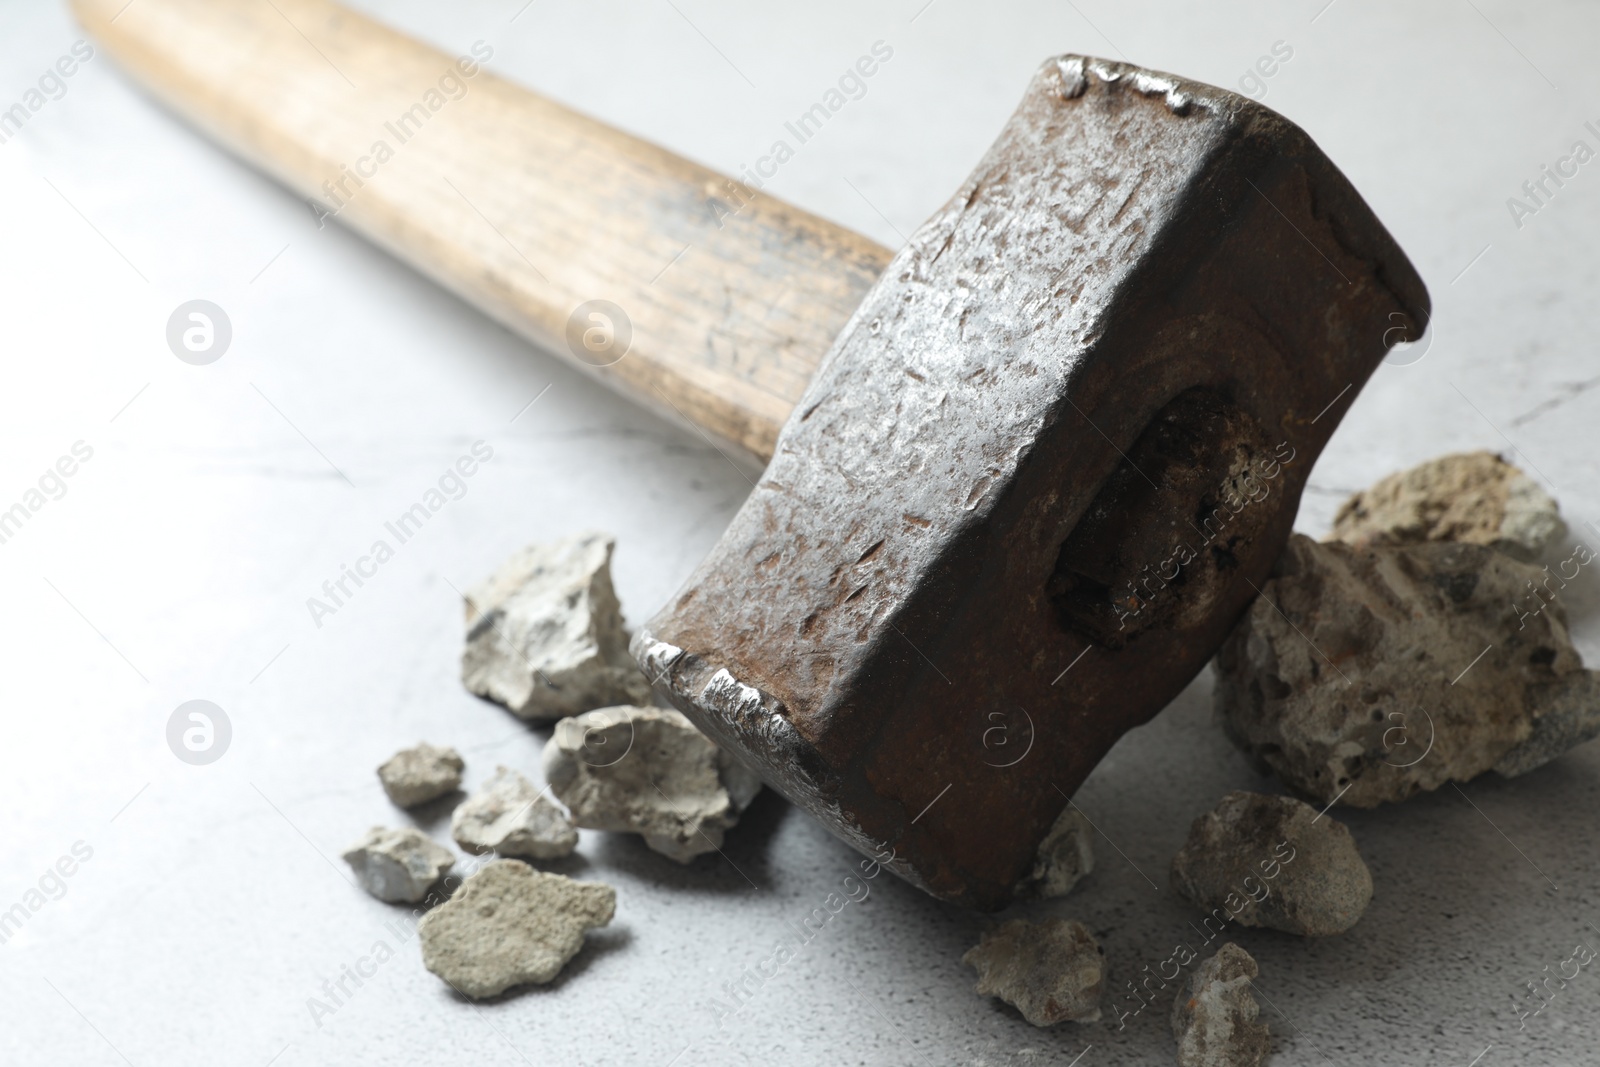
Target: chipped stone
[1214,1016]
[648,771]
[509,817]
[1273,861]
[1065,855]
[509,925]
[1051,971]
[1372,674]
[417,775]
[398,865]
[1473,498]
[545,635]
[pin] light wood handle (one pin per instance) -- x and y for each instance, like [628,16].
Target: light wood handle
[522,207]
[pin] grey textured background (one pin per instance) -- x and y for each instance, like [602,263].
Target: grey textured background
[177,565]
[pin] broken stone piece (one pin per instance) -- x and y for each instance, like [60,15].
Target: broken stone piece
[1473,498]
[509,817]
[508,925]
[1214,1016]
[398,865]
[1273,861]
[648,771]
[1051,971]
[545,635]
[1065,855]
[417,775]
[1371,674]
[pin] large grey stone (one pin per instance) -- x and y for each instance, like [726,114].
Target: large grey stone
[509,817]
[1272,861]
[648,771]
[1051,971]
[545,636]
[1065,855]
[1371,674]
[398,865]
[417,775]
[509,925]
[1472,498]
[1214,1015]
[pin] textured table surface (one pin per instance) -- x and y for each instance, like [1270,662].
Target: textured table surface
[177,562]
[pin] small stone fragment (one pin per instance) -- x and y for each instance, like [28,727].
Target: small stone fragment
[398,865]
[1272,861]
[648,771]
[417,775]
[1051,971]
[509,817]
[545,635]
[1214,1016]
[1393,670]
[509,925]
[1065,855]
[1474,498]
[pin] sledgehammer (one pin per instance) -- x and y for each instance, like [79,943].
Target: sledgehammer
[1023,475]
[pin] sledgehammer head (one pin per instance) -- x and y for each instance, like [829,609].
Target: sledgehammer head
[1041,472]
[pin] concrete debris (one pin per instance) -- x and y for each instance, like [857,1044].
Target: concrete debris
[509,817]
[1473,498]
[1051,971]
[398,865]
[648,771]
[1214,1016]
[510,925]
[545,635]
[417,775]
[1065,855]
[1272,861]
[1371,674]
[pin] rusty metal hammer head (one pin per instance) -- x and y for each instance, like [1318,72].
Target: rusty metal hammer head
[1040,473]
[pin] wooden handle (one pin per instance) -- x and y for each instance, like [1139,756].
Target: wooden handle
[522,207]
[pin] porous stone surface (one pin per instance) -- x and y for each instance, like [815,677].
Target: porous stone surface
[648,771]
[1474,498]
[1273,861]
[1051,971]
[1214,1015]
[417,775]
[1065,855]
[509,925]
[509,817]
[1371,674]
[545,635]
[398,865]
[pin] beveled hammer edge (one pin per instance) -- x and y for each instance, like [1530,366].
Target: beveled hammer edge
[1180,94]
[753,726]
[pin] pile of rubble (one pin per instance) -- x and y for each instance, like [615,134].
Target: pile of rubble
[1344,678]
[1423,642]
[545,638]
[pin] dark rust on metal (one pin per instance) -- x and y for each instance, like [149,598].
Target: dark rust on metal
[1069,427]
